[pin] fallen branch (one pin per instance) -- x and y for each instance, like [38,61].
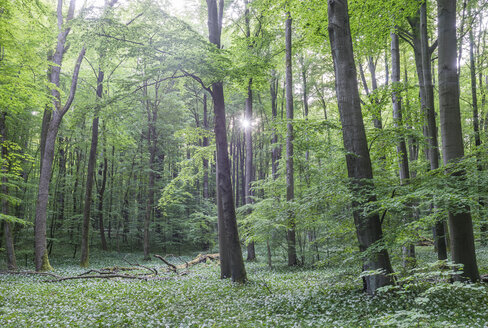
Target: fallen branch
[113,270]
[110,276]
[199,259]
[31,273]
[153,271]
[172,266]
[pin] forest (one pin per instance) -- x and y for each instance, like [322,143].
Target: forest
[243,163]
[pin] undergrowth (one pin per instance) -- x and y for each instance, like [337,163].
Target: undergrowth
[279,297]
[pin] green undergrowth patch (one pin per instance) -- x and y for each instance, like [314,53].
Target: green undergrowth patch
[279,297]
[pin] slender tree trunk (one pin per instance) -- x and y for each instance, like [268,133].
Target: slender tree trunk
[474,96]
[90,178]
[274,113]
[426,53]
[224,184]
[460,223]
[251,253]
[404,172]
[205,144]
[290,188]
[152,140]
[377,121]
[103,172]
[368,228]
[248,115]
[423,54]
[7,226]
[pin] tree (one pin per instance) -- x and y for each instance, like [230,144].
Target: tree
[251,253]
[460,222]
[368,227]
[419,40]
[290,188]
[52,121]
[229,240]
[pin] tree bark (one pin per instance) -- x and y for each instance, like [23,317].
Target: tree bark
[460,222]
[290,188]
[228,226]
[368,228]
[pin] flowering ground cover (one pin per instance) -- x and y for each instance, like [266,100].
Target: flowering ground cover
[328,296]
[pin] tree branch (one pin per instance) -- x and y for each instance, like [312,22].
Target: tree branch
[196,78]
[74,81]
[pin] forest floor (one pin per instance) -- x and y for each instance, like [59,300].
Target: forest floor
[329,296]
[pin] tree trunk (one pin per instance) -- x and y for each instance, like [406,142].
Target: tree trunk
[152,140]
[228,226]
[290,188]
[377,121]
[41,256]
[404,172]
[423,54]
[90,178]
[368,228]
[274,113]
[460,223]
[426,53]
[205,144]
[251,253]
[7,227]
[103,172]
[474,96]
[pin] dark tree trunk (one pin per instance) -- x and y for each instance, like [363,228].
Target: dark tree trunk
[225,269]
[290,188]
[460,223]
[90,178]
[228,226]
[358,162]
